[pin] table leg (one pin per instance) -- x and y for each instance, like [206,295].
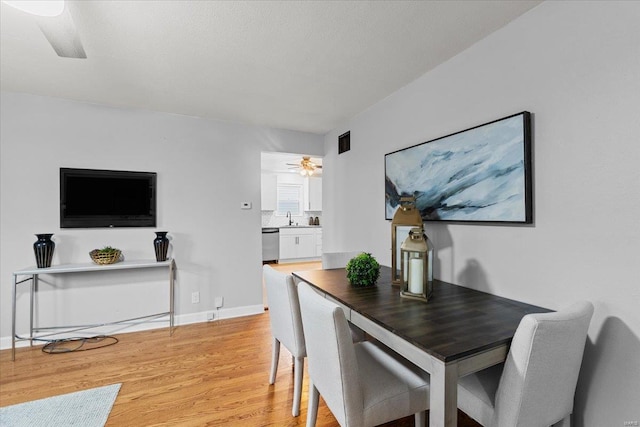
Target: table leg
[32,296]
[443,411]
[171,295]
[13,318]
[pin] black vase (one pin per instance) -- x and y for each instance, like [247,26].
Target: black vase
[43,249]
[161,243]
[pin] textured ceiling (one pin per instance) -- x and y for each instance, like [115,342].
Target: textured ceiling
[300,65]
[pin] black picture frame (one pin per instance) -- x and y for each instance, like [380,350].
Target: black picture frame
[481,174]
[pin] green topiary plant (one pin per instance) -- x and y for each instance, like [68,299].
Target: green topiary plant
[107,250]
[363,270]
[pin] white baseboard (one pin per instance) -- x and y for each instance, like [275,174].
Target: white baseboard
[223,313]
[297,260]
[160,322]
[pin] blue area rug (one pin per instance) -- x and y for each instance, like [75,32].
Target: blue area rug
[87,408]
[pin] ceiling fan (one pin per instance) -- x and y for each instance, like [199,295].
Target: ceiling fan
[56,24]
[306,167]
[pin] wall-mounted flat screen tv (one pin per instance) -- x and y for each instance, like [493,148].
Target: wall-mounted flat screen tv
[481,174]
[91,198]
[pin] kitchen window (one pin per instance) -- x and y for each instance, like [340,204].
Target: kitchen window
[289,199]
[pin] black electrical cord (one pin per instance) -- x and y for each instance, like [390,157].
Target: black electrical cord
[57,346]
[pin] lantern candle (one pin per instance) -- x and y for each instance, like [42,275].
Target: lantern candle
[416,268]
[405,269]
[407,216]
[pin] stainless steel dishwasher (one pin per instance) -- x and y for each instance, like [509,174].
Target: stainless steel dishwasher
[270,244]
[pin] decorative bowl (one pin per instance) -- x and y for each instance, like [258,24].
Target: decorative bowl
[103,257]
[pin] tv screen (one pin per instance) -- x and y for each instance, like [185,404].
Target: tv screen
[91,198]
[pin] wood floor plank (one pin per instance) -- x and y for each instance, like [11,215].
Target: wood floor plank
[206,374]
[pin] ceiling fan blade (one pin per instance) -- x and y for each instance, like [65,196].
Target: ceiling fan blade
[62,34]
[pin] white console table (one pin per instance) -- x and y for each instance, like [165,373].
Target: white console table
[34,272]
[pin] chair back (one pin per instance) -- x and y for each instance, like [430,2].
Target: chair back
[284,310]
[337,259]
[540,374]
[333,367]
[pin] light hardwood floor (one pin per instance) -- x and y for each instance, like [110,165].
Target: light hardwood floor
[206,374]
[298,266]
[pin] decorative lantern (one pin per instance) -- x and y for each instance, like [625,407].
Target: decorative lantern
[416,266]
[406,217]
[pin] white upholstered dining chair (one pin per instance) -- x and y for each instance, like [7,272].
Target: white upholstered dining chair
[339,260]
[535,386]
[362,384]
[286,327]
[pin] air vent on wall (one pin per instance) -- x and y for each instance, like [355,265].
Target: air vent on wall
[344,142]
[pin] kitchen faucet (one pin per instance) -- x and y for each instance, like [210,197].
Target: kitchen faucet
[289,216]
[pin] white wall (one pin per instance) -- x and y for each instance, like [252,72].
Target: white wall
[576,67]
[205,170]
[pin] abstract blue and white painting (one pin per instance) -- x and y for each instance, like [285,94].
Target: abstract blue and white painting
[480,174]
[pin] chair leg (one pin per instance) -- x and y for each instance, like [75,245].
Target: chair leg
[298,371]
[312,405]
[565,422]
[357,334]
[421,419]
[275,355]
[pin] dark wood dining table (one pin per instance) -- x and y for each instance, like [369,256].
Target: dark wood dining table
[456,332]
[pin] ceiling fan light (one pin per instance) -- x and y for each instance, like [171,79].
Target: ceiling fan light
[38,7]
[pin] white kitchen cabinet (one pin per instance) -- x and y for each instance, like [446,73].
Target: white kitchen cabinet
[313,194]
[288,246]
[298,242]
[318,242]
[268,192]
[306,246]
